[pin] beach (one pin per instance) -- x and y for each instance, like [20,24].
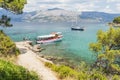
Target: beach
[30,60]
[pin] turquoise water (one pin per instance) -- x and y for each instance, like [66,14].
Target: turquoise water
[75,44]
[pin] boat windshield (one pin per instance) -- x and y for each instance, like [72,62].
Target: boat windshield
[48,37]
[45,37]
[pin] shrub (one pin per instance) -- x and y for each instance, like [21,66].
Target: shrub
[116,77]
[7,46]
[9,71]
[117,20]
[63,71]
[97,75]
[67,73]
[48,64]
[83,76]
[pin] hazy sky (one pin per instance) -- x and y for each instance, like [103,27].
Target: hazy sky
[109,6]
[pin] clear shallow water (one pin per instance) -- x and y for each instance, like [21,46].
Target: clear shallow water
[75,44]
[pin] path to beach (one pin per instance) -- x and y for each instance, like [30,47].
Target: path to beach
[33,62]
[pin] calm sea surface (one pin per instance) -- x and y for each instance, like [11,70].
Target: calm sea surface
[75,44]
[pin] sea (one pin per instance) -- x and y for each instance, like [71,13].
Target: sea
[74,47]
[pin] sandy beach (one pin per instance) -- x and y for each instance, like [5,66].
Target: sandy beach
[33,62]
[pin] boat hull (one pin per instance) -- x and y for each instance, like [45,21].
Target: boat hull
[78,29]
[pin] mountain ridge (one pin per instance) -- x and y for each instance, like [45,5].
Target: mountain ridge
[60,15]
[106,17]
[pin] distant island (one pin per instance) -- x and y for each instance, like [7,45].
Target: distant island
[61,16]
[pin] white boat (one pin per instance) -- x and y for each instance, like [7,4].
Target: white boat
[53,37]
[76,27]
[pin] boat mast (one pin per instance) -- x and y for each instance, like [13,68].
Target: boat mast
[76,17]
[72,18]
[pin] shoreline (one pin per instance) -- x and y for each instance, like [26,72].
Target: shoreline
[33,62]
[114,24]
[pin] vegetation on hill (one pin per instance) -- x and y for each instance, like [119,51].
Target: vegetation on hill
[107,50]
[9,71]
[7,47]
[83,72]
[116,20]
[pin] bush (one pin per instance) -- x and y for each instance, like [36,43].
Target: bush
[9,71]
[117,20]
[116,77]
[98,74]
[48,64]
[7,46]
[63,71]
[67,73]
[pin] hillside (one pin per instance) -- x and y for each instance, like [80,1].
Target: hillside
[16,17]
[101,16]
[53,15]
[8,70]
[60,15]
[7,47]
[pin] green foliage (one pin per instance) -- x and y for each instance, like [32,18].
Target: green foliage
[9,71]
[5,21]
[1,0]
[116,77]
[83,76]
[63,71]
[77,74]
[13,5]
[107,49]
[7,47]
[115,67]
[98,76]
[96,48]
[48,64]
[116,20]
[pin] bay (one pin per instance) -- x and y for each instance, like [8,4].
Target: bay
[75,44]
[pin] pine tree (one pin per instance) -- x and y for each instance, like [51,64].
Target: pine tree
[107,50]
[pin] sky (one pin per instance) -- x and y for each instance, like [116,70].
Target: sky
[109,6]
